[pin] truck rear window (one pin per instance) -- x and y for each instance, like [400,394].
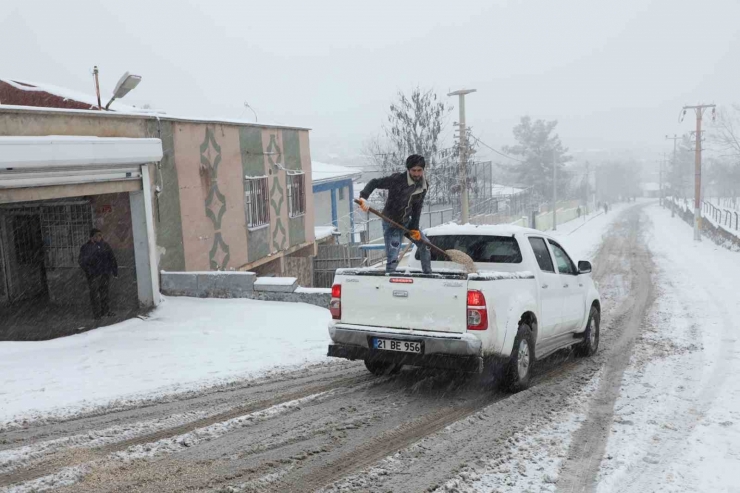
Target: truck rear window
[490,249]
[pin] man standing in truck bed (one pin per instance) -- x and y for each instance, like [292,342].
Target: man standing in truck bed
[406,192]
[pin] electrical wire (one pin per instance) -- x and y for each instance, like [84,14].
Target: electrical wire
[496,150]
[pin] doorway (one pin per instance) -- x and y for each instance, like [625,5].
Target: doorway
[23,256]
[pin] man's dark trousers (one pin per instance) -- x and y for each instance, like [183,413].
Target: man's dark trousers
[98,286]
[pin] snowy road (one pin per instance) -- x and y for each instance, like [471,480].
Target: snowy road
[333,427]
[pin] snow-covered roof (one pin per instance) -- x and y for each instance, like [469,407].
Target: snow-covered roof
[323,172]
[118,108]
[474,229]
[651,187]
[498,190]
[321,232]
[63,92]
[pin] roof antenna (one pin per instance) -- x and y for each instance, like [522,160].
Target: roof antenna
[97,86]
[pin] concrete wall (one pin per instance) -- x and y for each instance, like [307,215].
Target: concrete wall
[208,284]
[234,285]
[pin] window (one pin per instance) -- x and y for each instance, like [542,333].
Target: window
[27,238]
[256,202]
[296,194]
[65,227]
[484,249]
[341,193]
[565,264]
[542,254]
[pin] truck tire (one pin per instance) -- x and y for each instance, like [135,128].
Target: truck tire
[591,335]
[519,367]
[382,368]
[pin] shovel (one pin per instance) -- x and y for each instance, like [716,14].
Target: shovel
[455,256]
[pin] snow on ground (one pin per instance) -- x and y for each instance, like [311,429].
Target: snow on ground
[534,456]
[582,237]
[186,344]
[677,420]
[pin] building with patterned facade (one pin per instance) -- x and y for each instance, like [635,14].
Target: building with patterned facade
[225,195]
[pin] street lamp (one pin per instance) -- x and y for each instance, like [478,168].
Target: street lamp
[125,84]
[246,105]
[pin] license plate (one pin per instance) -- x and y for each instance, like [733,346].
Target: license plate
[401,346]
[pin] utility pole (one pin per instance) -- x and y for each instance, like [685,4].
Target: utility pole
[674,188]
[660,174]
[588,188]
[554,193]
[699,109]
[464,206]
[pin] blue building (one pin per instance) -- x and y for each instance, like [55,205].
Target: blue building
[333,192]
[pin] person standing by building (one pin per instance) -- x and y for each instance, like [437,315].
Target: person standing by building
[99,263]
[406,192]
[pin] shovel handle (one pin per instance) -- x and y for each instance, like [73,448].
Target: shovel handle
[403,228]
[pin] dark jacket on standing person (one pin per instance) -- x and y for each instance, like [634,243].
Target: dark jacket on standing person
[97,259]
[405,197]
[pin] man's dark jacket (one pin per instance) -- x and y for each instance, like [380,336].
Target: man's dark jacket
[97,259]
[405,197]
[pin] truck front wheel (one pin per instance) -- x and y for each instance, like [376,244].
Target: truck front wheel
[591,336]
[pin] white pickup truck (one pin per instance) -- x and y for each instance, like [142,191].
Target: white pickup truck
[527,300]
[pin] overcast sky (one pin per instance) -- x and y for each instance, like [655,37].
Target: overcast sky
[613,73]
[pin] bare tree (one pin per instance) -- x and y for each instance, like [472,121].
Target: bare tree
[415,125]
[725,130]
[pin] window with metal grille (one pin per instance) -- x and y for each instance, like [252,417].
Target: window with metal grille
[256,202]
[27,238]
[65,228]
[296,194]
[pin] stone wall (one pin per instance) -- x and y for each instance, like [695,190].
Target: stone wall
[301,268]
[718,235]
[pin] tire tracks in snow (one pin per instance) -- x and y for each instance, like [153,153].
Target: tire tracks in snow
[70,459]
[582,465]
[401,437]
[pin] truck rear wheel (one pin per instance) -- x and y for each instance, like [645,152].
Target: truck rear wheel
[519,367]
[382,368]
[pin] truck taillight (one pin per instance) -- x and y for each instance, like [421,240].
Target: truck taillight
[335,305]
[477,310]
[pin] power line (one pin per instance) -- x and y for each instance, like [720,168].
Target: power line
[496,150]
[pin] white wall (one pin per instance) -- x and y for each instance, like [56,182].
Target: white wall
[345,225]
[322,210]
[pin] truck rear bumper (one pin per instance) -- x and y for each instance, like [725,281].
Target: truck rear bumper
[472,364]
[441,350]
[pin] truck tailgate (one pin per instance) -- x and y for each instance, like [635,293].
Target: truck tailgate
[405,302]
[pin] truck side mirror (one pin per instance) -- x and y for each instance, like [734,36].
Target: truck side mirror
[584,267]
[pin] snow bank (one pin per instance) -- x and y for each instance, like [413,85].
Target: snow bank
[186,344]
